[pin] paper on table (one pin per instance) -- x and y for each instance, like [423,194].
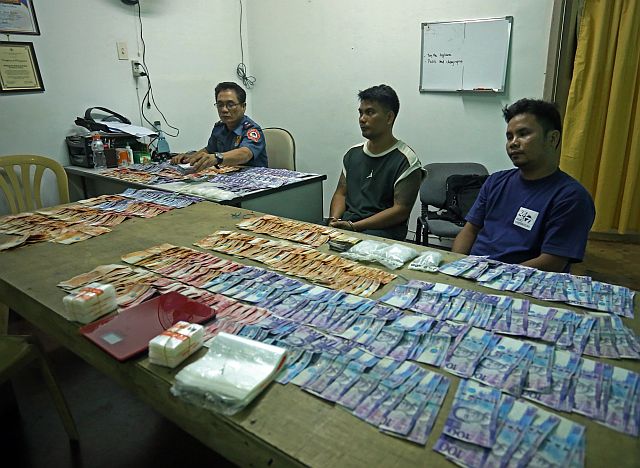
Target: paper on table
[130,129]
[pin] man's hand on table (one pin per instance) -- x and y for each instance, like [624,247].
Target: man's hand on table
[198,159]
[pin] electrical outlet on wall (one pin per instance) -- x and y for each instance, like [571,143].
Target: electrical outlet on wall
[123,52]
[136,68]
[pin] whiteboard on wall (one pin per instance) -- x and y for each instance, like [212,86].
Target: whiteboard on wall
[469,55]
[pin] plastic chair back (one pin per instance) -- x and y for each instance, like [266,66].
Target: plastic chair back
[22,188]
[281,148]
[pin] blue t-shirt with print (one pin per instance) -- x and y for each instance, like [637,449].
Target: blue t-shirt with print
[520,219]
[247,134]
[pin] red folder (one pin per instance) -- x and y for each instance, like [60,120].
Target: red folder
[128,333]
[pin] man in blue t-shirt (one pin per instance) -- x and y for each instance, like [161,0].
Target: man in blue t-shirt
[535,215]
[235,140]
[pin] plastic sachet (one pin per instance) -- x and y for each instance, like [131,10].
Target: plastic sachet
[392,256]
[427,261]
[232,373]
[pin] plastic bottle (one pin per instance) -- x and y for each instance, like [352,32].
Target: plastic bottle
[97,146]
[162,147]
[130,154]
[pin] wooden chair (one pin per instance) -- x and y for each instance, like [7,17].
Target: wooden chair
[16,352]
[281,148]
[21,188]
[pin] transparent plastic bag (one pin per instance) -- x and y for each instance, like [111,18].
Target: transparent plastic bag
[232,373]
[427,261]
[366,250]
[396,255]
[392,256]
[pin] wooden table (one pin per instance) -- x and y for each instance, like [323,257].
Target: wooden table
[284,426]
[300,199]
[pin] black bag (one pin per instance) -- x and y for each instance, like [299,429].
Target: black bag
[89,122]
[461,193]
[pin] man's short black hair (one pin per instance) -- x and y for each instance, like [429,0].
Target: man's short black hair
[241,93]
[382,94]
[545,112]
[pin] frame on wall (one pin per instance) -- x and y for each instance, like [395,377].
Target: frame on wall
[18,17]
[19,71]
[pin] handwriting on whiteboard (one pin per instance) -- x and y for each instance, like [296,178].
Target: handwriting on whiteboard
[443,58]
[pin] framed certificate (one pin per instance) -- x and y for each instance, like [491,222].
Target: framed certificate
[18,17]
[19,70]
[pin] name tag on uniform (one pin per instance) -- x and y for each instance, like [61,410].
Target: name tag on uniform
[525,218]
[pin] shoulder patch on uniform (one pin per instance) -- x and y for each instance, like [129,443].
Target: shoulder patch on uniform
[254,135]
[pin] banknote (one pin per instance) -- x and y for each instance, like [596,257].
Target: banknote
[425,421]
[406,347]
[403,416]
[320,383]
[433,348]
[565,365]
[511,432]
[496,364]
[341,384]
[401,296]
[515,381]
[358,391]
[619,403]
[385,341]
[539,373]
[542,425]
[372,401]
[473,416]
[559,446]
[586,394]
[461,453]
[465,355]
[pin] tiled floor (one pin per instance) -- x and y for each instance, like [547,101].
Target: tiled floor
[118,430]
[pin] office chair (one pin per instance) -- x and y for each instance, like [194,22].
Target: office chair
[281,148]
[22,189]
[433,194]
[16,352]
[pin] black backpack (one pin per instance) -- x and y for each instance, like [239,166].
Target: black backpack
[461,193]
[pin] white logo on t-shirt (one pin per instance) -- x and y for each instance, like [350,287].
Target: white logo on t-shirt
[525,218]
[370,175]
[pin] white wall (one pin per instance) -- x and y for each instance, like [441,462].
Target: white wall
[312,57]
[190,47]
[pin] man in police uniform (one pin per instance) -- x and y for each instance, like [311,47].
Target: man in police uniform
[235,139]
[381,177]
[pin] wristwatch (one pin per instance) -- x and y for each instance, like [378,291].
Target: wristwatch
[219,158]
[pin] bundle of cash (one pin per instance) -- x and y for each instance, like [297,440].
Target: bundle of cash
[563,287]
[499,431]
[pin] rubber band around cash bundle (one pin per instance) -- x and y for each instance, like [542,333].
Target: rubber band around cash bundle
[90,302]
[176,344]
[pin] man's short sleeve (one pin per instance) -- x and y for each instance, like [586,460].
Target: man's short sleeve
[568,226]
[253,138]
[478,211]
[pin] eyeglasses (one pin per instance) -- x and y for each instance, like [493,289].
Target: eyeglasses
[228,105]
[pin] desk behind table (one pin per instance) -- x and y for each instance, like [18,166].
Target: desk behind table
[300,199]
[284,425]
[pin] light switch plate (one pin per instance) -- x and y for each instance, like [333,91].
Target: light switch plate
[123,52]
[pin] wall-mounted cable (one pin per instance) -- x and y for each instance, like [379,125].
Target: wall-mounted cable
[241,69]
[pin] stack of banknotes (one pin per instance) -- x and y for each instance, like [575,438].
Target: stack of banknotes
[488,429]
[506,343]
[549,286]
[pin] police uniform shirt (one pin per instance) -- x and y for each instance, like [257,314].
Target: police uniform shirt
[247,134]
